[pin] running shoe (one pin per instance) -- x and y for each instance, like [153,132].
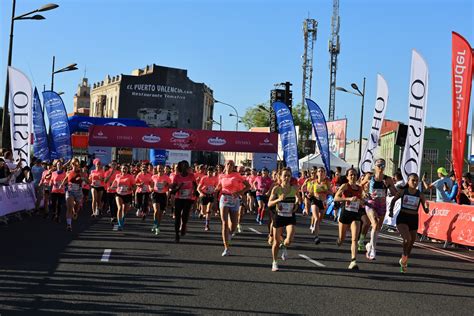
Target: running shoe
[138,213]
[69,228]
[312,229]
[157,231]
[258,219]
[207,228]
[260,223]
[403,266]
[226,252]
[360,245]
[274,266]
[239,228]
[353,265]
[153,229]
[284,253]
[317,241]
[74,215]
[368,248]
[112,220]
[372,254]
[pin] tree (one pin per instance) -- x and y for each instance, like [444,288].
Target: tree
[256,117]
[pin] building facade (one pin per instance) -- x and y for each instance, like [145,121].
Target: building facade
[82,97]
[161,96]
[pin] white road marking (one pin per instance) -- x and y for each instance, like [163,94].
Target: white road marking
[255,231]
[106,255]
[424,246]
[319,264]
[115,228]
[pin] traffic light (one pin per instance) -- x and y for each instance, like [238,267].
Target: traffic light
[282,95]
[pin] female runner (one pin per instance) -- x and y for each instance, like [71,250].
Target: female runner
[161,184]
[143,182]
[96,179]
[124,184]
[74,196]
[58,191]
[320,190]
[207,192]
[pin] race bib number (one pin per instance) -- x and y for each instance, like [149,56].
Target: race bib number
[97,183]
[122,189]
[185,193]
[379,193]
[410,202]
[228,201]
[286,209]
[210,189]
[144,188]
[57,185]
[159,186]
[75,187]
[353,207]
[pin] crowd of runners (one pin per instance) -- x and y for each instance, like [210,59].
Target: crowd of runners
[228,192]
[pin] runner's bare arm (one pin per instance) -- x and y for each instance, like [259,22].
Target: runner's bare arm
[338,197]
[424,203]
[274,199]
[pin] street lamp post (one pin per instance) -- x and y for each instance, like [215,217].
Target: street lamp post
[362,95]
[26,16]
[70,67]
[236,122]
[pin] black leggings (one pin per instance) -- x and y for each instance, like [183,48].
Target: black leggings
[112,204]
[181,210]
[57,202]
[143,200]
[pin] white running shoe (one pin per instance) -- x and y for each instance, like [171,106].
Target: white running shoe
[137,213]
[284,253]
[353,265]
[274,266]
[226,252]
[312,229]
[239,228]
[372,254]
[368,247]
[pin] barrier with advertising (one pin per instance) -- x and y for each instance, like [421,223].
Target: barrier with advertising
[17,197]
[182,139]
[264,160]
[103,153]
[448,221]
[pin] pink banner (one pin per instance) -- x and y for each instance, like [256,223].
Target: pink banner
[448,221]
[182,139]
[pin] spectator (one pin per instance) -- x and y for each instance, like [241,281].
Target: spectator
[453,191]
[398,180]
[466,193]
[441,195]
[5,174]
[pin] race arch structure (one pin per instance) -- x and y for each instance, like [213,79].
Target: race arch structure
[182,139]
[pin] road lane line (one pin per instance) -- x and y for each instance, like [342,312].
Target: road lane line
[319,264]
[255,231]
[106,255]
[115,228]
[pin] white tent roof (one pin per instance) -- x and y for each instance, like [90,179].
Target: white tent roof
[315,160]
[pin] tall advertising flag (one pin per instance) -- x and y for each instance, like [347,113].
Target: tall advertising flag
[40,136]
[321,131]
[381,102]
[20,114]
[286,128]
[462,81]
[417,97]
[58,123]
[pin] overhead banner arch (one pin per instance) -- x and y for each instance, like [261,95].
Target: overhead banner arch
[182,139]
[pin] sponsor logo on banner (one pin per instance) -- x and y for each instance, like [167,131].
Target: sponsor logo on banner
[285,124]
[181,134]
[266,142]
[58,125]
[266,159]
[151,138]
[100,152]
[55,114]
[216,141]
[282,112]
[100,135]
[418,94]
[85,125]
[115,124]
[368,154]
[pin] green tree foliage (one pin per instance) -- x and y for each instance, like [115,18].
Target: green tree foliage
[256,117]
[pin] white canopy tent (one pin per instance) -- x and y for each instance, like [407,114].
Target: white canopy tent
[315,160]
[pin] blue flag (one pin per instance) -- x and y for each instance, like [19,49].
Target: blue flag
[286,128]
[58,124]
[321,131]
[40,144]
[82,123]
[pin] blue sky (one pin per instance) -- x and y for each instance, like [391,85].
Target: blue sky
[241,48]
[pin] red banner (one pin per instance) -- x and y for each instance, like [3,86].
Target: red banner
[182,139]
[448,221]
[461,81]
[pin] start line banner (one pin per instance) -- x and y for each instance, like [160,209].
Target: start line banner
[448,221]
[182,139]
[17,197]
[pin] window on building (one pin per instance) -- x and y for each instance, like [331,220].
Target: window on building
[430,155]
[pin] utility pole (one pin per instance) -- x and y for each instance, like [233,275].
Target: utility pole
[334,49]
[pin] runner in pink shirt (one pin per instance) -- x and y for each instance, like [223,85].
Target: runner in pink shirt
[184,184]
[263,185]
[111,191]
[46,183]
[207,192]
[144,186]
[159,197]
[124,184]
[251,194]
[96,179]
[232,185]
[58,192]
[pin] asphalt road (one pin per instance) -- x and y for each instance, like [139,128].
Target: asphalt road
[45,270]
